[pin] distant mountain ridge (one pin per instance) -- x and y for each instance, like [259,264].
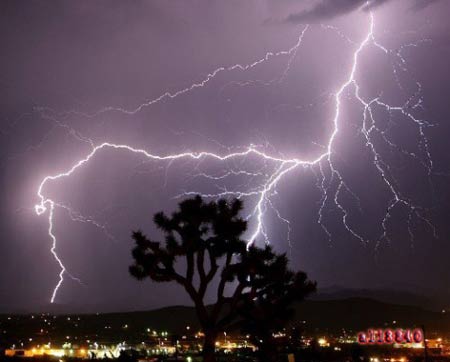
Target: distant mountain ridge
[313,316]
[424,299]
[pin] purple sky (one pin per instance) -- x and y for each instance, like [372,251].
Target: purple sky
[63,63]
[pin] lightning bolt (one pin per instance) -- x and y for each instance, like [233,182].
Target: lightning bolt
[171,95]
[275,168]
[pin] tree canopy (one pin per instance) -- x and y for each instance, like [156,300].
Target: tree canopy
[254,285]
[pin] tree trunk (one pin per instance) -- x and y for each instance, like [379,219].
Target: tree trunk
[209,346]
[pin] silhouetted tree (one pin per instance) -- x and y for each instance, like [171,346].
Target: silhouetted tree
[208,237]
[267,311]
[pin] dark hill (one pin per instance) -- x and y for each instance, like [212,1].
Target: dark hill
[362,313]
[312,316]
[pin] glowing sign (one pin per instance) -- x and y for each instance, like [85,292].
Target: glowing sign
[390,336]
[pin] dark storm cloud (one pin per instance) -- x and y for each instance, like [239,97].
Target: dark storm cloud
[422,4]
[328,9]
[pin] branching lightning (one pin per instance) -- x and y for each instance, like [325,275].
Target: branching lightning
[264,182]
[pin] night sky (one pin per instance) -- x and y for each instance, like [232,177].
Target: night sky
[159,76]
